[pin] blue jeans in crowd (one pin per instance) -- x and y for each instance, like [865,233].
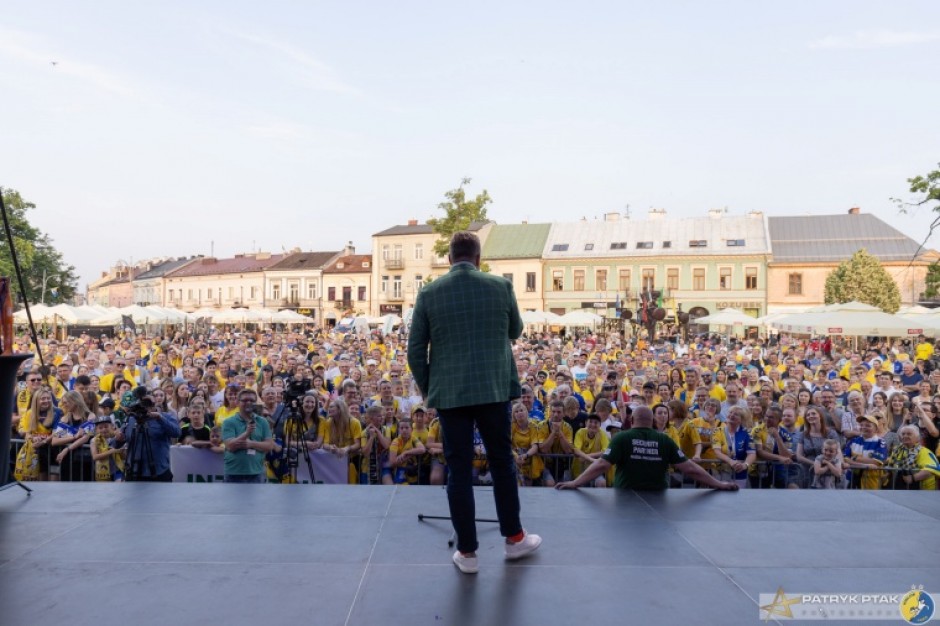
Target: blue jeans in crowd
[493,421]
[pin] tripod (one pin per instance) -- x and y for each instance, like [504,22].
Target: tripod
[140,452]
[295,445]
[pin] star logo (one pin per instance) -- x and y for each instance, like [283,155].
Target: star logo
[780,605]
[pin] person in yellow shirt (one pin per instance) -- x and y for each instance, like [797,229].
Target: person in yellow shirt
[342,434]
[708,437]
[589,444]
[555,437]
[229,405]
[715,390]
[524,435]
[923,350]
[25,397]
[404,454]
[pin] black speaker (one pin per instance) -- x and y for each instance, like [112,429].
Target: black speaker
[9,365]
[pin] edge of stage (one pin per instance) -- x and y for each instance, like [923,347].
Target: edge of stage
[75,554]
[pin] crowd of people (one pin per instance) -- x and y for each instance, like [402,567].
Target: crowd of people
[776,413]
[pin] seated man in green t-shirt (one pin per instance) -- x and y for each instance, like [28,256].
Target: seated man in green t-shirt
[642,456]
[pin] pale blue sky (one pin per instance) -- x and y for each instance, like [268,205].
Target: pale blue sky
[167,125]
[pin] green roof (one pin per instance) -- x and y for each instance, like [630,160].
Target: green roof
[516,241]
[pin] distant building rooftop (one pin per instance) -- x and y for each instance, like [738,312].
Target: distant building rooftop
[835,238]
[414,228]
[350,264]
[162,269]
[303,261]
[516,241]
[208,266]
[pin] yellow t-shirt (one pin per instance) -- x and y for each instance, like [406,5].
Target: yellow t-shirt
[222,414]
[545,429]
[521,442]
[353,433]
[923,351]
[398,446]
[718,393]
[588,445]
[703,432]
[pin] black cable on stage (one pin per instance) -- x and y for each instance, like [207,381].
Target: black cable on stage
[19,277]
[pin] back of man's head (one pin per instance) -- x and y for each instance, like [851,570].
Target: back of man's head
[643,417]
[464,246]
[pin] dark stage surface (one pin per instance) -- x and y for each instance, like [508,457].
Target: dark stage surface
[177,554]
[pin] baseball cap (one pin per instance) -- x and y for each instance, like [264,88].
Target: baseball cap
[867,418]
[107,403]
[614,424]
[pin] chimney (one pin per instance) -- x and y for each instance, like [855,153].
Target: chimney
[349,250]
[755,214]
[656,214]
[716,213]
[612,217]
[412,222]
[854,210]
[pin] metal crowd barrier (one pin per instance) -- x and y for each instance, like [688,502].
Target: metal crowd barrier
[78,466]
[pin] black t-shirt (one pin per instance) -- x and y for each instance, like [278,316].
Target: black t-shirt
[577,422]
[199,434]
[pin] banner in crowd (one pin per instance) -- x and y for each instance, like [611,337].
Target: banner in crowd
[197,465]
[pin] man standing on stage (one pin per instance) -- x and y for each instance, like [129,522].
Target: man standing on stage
[460,354]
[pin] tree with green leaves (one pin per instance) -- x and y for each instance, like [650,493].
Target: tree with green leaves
[863,279]
[36,255]
[459,213]
[932,281]
[927,190]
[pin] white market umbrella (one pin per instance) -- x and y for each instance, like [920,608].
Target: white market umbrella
[288,316]
[726,317]
[540,317]
[912,311]
[72,314]
[850,318]
[39,312]
[579,318]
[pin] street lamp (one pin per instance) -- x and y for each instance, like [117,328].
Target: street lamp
[45,279]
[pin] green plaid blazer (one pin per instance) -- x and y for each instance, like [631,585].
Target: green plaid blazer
[459,346]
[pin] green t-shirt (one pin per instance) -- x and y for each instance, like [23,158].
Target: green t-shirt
[642,457]
[244,462]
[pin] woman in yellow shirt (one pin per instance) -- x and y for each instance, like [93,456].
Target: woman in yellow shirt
[229,405]
[341,434]
[36,425]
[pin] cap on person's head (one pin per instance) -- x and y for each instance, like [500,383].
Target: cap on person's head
[319,366]
[107,403]
[372,362]
[867,418]
[615,424]
[102,419]
[416,408]
[765,379]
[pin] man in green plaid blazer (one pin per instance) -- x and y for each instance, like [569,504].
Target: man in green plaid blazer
[460,354]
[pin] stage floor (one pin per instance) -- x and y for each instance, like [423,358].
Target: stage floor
[75,554]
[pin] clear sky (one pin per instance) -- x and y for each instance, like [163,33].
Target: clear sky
[165,126]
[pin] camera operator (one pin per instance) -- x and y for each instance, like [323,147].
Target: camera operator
[149,457]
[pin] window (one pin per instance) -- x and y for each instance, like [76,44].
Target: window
[209,293]
[579,280]
[231,292]
[384,285]
[396,286]
[724,278]
[600,280]
[644,245]
[385,252]
[735,243]
[558,280]
[419,282]
[589,246]
[419,251]
[508,277]
[276,291]
[396,251]
[293,291]
[362,294]
[796,284]
[698,279]
[311,291]
[623,281]
[698,243]
[331,293]
[649,279]
[560,247]
[530,281]
[672,278]
[750,278]
[189,294]
[254,293]
[618,245]
[667,245]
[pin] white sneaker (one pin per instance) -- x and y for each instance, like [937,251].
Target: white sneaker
[466,564]
[527,546]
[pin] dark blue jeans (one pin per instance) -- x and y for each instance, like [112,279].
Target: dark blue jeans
[493,422]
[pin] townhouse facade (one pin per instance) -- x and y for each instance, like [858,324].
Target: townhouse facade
[808,247]
[403,260]
[149,287]
[514,251]
[296,282]
[702,264]
[347,286]
[209,282]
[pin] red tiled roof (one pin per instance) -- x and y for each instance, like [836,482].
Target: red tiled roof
[351,264]
[208,266]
